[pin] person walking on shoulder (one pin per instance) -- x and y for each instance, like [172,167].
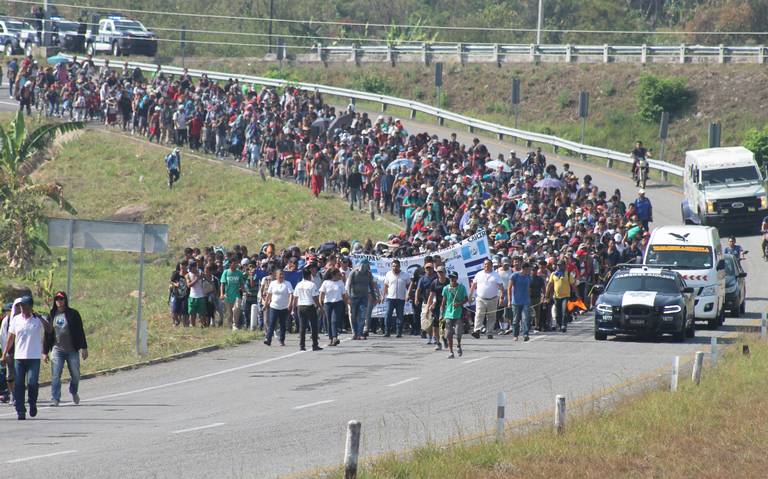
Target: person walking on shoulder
[454,298]
[520,300]
[488,286]
[65,344]
[306,298]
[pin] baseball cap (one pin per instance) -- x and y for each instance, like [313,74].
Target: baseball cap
[27,299]
[641,191]
[453,274]
[440,268]
[244,261]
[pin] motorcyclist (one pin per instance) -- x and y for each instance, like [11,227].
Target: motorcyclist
[173,164]
[734,249]
[639,153]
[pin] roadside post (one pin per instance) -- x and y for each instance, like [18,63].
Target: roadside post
[438,82]
[254,315]
[560,413]
[698,363]
[764,326]
[111,236]
[501,403]
[663,132]
[352,450]
[516,99]
[675,374]
[583,111]
[713,351]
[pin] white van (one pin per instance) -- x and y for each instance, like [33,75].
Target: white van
[694,252]
[723,186]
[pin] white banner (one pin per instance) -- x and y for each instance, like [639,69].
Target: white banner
[466,258]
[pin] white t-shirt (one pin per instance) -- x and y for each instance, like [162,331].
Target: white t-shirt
[487,284]
[306,292]
[196,291]
[397,285]
[505,276]
[334,290]
[29,337]
[281,294]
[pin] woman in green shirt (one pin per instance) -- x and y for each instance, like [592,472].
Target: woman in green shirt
[454,298]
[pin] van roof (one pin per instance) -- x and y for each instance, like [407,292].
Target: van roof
[716,158]
[689,234]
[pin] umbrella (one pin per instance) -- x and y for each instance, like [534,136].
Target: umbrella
[395,165]
[56,59]
[549,183]
[496,164]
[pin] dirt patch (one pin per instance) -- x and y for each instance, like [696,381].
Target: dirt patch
[132,213]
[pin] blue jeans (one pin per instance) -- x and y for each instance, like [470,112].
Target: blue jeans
[4,392]
[276,315]
[58,358]
[355,196]
[359,307]
[27,372]
[334,314]
[522,311]
[396,305]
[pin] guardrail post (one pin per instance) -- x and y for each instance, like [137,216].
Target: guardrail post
[534,53]
[440,120]
[470,128]
[555,148]
[761,54]
[321,52]
[383,107]
[721,54]
[413,114]
[644,54]
[390,55]
[568,53]
[764,326]
[675,374]
[497,54]
[425,53]
[254,316]
[500,136]
[698,363]
[460,53]
[560,414]
[355,57]
[606,53]
[352,450]
[713,351]
[682,52]
[501,404]
[609,163]
[664,175]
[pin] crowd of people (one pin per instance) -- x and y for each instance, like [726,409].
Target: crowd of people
[552,235]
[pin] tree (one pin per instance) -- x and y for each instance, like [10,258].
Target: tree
[757,142]
[21,205]
[656,94]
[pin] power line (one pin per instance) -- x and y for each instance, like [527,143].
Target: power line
[385,25]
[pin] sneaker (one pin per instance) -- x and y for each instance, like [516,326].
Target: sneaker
[331,344]
[316,348]
[439,347]
[33,410]
[55,403]
[563,329]
[22,416]
[526,338]
[302,348]
[458,350]
[268,342]
[476,334]
[76,398]
[430,341]
[451,356]
[399,336]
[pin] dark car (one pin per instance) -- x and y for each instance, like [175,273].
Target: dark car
[735,286]
[644,300]
[69,35]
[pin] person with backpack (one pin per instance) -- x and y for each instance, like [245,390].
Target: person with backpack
[173,164]
[25,334]
[179,292]
[65,344]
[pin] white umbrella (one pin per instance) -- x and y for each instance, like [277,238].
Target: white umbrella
[496,164]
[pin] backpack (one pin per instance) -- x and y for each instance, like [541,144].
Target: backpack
[183,290]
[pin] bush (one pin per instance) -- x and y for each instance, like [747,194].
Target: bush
[757,142]
[657,94]
[564,99]
[371,83]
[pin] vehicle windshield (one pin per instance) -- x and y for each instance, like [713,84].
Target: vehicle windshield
[637,282]
[727,176]
[15,26]
[125,25]
[67,26]
[680,257]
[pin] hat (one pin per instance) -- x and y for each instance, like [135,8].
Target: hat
[505,260]
[641,191]
[245,261]
[26,299]
[344,250]
[453,274]
[60,295]
[440,268]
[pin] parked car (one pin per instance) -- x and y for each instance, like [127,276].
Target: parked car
[69,35]
[120,36]
[735,286]
[17,36]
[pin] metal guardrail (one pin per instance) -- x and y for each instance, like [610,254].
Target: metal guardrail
[473,124]
[470,52]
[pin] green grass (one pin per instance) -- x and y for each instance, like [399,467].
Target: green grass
[713,430]
[213,204]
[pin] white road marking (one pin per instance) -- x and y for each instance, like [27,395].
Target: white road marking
[475,360]
[404,381]
[198,428]
[318,403]
[31,458]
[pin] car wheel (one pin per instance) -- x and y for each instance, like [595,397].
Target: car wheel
[8,49]
[600,336]
[115,49]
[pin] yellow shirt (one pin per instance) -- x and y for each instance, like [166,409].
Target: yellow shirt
[562,286]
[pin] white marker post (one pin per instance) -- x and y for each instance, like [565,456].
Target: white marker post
[352,450]
[675,374]
[501,403]
[713,351]
[697,365]
[560,413]
[254,316]
[764,326]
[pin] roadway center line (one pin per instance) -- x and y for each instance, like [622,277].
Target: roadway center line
[475,360]
[318,403]
[198,428]
[31,458]
[400,383]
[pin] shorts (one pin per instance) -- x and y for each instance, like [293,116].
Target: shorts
[198,306]
[179,305]
[454,327]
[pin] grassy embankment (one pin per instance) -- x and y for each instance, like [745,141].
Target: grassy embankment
[714,430]
[213,204]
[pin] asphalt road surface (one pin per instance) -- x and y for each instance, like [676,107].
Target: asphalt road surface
[255,411]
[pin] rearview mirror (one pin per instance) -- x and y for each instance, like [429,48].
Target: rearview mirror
[721,264]
[688,290]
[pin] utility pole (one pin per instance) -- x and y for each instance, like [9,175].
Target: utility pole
[538,24]
[269,27]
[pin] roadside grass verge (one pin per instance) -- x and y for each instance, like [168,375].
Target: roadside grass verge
[213,204]
[714,430]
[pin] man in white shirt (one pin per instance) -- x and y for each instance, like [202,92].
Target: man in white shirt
[395,289]
[505,316]
[489,287]
[306,297]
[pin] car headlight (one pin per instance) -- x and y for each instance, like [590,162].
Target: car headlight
[672,309]
[709,291]
[710,206]
[763,202]
[604,308]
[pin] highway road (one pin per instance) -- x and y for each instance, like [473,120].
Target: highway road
[255,411]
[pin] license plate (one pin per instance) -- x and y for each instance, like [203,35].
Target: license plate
[638,322]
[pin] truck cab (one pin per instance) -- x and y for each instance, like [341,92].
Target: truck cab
[120,36]
[723,187]
[17,36]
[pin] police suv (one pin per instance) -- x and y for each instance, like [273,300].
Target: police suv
[120,36]
[16,36]
[645,300]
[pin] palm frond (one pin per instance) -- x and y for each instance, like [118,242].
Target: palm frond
[7,158]
[39,243]
[18,130]
[39,138]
